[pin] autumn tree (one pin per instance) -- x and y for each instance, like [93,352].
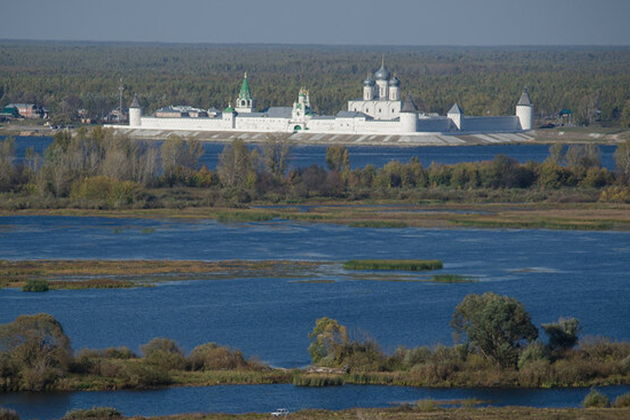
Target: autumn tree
[327,339]
[7,166]
[34,352]
[237,166]
[622,161]
[275,153]
[338,158]
[180,158]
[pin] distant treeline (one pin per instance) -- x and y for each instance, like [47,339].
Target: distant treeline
[594,82]
[99,169]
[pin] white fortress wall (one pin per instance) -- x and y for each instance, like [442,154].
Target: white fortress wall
[202,124]
[433,124]
[261,124]
[321,125]
[491,124]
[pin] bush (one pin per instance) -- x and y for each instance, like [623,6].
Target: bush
[163,353]
[8,414]
[143,375]
[113,193]
[533,352]
[427,405]
[93,413]
[36,285]
[318,380]
[622,401]
[595,399]
[211,356]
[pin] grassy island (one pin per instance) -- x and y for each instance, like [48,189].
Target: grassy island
[401,265]
[44,275]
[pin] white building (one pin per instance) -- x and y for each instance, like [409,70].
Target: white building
[379,111]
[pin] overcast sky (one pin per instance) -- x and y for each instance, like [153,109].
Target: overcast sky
[390,22]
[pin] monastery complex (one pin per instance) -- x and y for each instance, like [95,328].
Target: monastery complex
[380,111]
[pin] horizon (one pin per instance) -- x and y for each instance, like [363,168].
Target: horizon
[332,46]
[458,23]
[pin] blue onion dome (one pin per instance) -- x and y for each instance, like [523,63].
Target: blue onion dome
[394,82]
[382,73]
[368,82]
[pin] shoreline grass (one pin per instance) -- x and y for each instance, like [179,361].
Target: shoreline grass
[452,278]
[368,214]
[398,265]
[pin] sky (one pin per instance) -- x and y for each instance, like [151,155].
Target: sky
[330,22]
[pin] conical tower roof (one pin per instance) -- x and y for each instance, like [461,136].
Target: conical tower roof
[245,92]
[525,99]
[409,105]
[455,109]
[135,103]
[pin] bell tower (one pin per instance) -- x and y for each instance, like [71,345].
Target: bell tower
[245,102]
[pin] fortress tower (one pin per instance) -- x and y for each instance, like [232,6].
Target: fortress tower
[245,101]
[409,116]
[456,115]
[135,113]
[525,111]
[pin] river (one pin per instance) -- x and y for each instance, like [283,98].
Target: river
[306,155]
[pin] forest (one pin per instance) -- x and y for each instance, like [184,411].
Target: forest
[593,82]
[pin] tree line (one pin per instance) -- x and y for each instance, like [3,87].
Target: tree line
[594,82]
[498,345]
[100,169]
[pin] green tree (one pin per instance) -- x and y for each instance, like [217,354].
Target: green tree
[327,339]
[497,326]
[562,334]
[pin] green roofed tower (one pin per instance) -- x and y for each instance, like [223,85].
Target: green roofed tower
[245,101]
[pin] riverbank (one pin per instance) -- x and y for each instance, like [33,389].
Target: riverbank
[433,410]
[387,214]
[563,135]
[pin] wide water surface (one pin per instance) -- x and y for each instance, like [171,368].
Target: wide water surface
[554,273]
[306,155]
[265,398]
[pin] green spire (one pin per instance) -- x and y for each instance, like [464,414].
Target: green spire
[245,93]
